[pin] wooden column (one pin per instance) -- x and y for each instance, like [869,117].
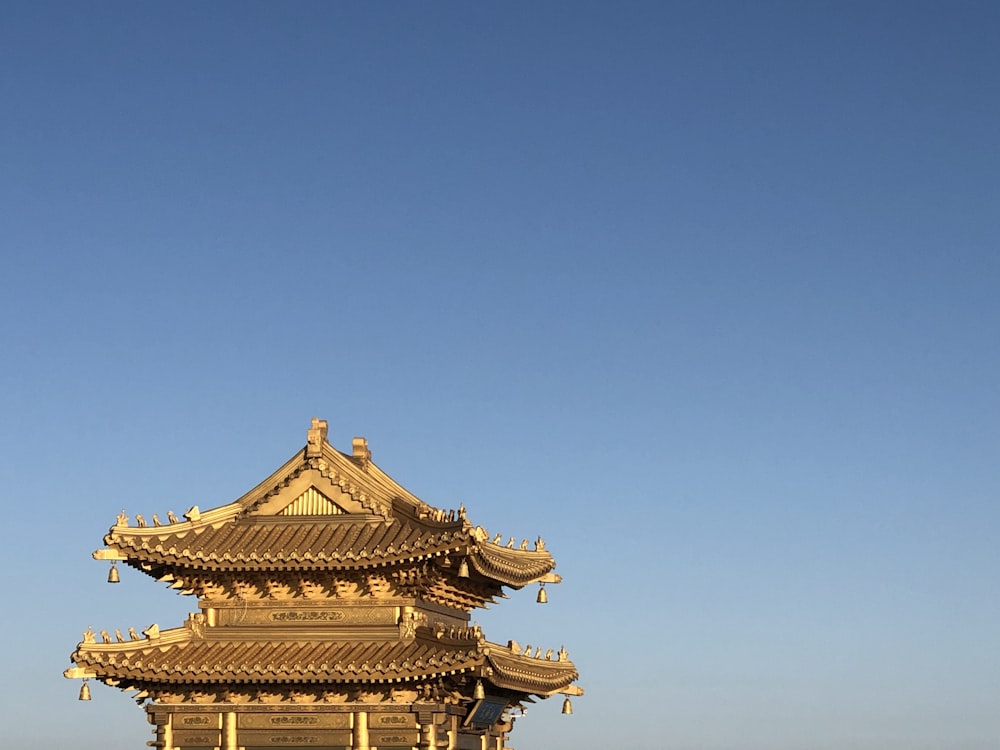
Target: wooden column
[427,736]
[165,734]
[229,731]
[361,731]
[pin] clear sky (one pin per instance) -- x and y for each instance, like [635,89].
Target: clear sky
[705,294]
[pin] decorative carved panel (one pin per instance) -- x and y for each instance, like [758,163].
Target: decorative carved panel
[286,721]
[308,616]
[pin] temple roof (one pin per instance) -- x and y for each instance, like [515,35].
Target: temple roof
[253,543]
[343,542]
[185,656]
[322,510]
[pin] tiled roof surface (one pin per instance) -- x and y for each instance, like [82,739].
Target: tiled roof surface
[331,543]
[214,661]
[196,660]
[253,543]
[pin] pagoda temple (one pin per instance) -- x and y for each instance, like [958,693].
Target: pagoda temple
[333,613]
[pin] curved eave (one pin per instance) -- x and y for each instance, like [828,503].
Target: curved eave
[192,660]
[541,677]
[288,547]
[511,567]
[122,537]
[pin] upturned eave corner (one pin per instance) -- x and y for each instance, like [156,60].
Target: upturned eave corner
[109,553]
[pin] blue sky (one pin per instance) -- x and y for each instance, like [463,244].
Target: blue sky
[705,294]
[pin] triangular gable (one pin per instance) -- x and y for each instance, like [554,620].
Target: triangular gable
[312,502]
[309,494]
[352,484]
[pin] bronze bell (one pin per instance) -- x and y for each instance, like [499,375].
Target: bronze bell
[85,691]
[113,577]
[479,693]
[567,707]
[543,597]
[463,569]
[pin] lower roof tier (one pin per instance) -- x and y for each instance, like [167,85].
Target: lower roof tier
[180,656]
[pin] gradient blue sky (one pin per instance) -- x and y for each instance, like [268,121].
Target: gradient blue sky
[705,294]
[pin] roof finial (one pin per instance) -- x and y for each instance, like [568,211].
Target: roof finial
[315,438]
[361,451]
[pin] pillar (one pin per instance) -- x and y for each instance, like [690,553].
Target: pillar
[427,736]
[229,731]
[165,734]
[361,731]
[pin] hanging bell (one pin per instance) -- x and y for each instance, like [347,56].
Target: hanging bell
[479,693]
[567,707]
[463,568]
[113,576]
[85,691]
[543,597]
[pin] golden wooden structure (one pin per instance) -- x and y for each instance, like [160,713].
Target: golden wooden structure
[334,613]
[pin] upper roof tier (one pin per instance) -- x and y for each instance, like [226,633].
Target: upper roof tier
[324,510]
